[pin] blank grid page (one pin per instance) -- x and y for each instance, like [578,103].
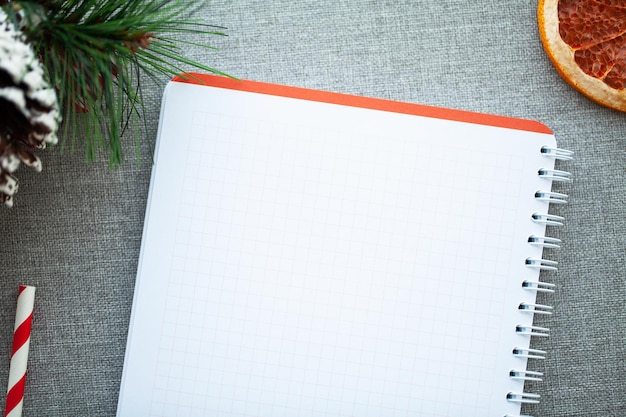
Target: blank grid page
[308,259]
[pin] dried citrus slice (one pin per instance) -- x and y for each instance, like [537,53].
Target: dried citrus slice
[586,42]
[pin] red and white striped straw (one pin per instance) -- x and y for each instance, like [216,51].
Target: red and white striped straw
[19,355]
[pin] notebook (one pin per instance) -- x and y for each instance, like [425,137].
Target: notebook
[309,253]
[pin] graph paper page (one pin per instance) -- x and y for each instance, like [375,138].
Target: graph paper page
[302,258]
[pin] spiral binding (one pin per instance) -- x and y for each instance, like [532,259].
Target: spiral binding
[545,242]
[547,219]
[526,375]
[538,286]
[555,175]
[543,264]
[532,330]
[535,308]
[550,197]
[557,153]
[529,353]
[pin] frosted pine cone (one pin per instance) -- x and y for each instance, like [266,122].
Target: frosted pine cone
[29,111]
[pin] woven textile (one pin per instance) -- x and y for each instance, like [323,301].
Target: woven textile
[75,230]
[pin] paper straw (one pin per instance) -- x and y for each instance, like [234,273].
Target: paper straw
[19,355]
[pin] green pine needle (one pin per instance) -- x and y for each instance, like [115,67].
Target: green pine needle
[94,52]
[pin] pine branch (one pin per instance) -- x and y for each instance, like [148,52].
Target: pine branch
[95,51]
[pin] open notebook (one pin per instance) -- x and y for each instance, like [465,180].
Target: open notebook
[308,253]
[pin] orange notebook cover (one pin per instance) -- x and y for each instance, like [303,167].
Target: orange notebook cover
[363,102]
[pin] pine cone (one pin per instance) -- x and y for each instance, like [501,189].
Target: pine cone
[29,111]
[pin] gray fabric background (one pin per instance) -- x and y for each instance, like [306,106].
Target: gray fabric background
[75,230]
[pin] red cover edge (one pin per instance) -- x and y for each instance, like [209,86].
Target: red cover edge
[363,102]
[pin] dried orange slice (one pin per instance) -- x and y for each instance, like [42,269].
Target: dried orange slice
[586,42]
